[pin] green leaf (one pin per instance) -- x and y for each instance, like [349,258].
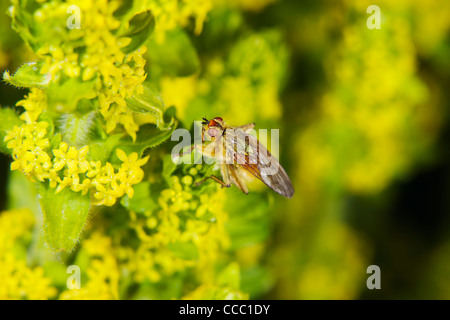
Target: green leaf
[141,201]
[28,76]
[50,118]
[148,137]
[21,192]
[140,27]
[56,272]
[256,281]
[75,128]
[169,116]
[148,102]
[101,150]
[65,215]
[8,119]
[21,14]
[261,57]
[151,103]
[184,250]
[230,276]
[249,222]
[168,168]
[55,141]
[64,97]
[38,30]
[176,56]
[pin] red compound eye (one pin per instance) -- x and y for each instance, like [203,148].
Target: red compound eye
[212,123]
[218,119]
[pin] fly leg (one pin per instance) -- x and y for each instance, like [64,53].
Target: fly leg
[223,184]
[199,147]
[189,151]
[225,174]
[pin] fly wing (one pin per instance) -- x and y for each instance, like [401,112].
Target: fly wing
[245,150]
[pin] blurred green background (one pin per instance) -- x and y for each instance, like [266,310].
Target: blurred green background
[364,131]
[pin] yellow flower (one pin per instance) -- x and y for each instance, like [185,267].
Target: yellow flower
[69,167]
[102,272]
[131,160]
[19,281]
[34,103]
[65,182]
[53,178]
[74,159]
[103,196]
[28,143]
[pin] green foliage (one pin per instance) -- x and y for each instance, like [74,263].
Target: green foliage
[140,27]
[168,168]
[176,56]
[360,112]
[250,224]
[64,97]
[148,137]
[151,104]
[185,251]
[142,201]
[65,217]
[75,128]
[92,135]
[28,76]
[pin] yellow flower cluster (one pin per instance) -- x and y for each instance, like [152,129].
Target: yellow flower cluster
[374,121]
[371,118]
[188,231]
[118,75]
[102,273]
[337,266]
[122,82]
[240,97]
[170,14]
[221,286]
[69,166]
[19,281]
